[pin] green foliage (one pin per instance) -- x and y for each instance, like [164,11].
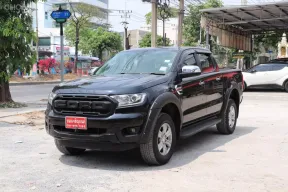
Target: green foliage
[96,41]
[146,41]
[170,12]
[267,40]
[16,35]
[192,21]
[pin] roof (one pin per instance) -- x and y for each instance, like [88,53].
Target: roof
[252,18]
[172,48]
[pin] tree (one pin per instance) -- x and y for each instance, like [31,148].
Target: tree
[192,21]
[164,12]
[16,35]
[100,40]
[146,41]
[81,17]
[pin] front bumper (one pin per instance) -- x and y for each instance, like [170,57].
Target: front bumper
[108,134]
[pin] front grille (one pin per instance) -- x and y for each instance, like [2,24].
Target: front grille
[84,105]
[94,131]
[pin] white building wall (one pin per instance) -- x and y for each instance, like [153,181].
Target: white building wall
[171,29]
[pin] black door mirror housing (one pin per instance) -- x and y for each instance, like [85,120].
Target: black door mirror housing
[253,71]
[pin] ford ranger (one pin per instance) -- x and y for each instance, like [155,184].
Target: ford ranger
[145,98]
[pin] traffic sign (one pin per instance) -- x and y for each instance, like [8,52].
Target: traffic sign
[61,14]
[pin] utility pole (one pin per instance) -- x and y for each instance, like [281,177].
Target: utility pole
[37,38]
[125,16]
[154,23]
[180,22]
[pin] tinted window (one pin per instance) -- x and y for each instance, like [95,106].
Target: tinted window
[190,60]
[207,63]
[141,61]
[278,67]
[262,68]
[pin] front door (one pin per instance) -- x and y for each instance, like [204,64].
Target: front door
[258,74]
[192,91]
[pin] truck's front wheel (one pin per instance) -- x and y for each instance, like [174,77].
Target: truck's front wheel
[68,150]
[162,141]
[229,119]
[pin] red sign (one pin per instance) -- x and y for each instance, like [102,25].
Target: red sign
[64,48]
[76,123]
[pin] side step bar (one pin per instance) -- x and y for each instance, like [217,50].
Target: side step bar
[198,127]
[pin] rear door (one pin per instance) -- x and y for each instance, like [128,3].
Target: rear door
[276,72]
[192,91]
[214,85]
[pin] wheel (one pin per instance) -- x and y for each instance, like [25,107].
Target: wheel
[244,87]
[68,150]
[229,119]
[162,142]
[286,86]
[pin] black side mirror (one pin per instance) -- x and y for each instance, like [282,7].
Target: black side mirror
[253,71]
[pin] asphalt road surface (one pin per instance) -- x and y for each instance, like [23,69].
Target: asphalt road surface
[31,93]
[253,159]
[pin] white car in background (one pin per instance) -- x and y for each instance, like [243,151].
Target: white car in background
[268,75]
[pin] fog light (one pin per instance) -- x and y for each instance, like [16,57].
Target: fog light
[130,131]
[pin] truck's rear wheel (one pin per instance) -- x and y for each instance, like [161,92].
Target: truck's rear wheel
[229,119]
[162,141]
[68,150]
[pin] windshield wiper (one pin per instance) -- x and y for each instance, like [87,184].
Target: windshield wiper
[157,73]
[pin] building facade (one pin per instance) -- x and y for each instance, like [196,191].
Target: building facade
[171,29]
[49,30]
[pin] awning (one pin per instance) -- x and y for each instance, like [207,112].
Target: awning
[252,19]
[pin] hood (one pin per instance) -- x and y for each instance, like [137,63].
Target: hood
[116,84]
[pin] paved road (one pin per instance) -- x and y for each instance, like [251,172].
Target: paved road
[254,158]
[31,93]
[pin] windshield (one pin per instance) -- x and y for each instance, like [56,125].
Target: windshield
[139,62]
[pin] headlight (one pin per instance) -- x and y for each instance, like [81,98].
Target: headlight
[129,100]
[51,97]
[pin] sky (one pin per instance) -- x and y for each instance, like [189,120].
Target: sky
[139,9]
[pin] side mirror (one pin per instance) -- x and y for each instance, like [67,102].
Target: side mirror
[190,71]
[253,71]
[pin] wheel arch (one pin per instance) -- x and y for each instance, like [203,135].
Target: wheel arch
[168,103]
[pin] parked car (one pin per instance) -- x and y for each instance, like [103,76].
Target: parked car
[267,75]
[145,98]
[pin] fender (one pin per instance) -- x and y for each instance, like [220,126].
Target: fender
[155,110]
[227,94]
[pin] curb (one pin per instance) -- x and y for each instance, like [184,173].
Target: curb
[35,83]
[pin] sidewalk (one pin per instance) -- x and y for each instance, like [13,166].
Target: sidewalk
[17,111]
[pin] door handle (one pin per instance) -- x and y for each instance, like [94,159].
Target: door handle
[202,83]
[218,78]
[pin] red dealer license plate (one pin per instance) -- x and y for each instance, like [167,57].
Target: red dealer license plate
[76,123]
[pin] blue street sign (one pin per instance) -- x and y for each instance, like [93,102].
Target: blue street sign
[61,14]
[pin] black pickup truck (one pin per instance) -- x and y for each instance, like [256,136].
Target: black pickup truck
[145,98]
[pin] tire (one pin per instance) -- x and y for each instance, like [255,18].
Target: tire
[286,86]
[245,86]
[150,151]
[228,125]
[68,150]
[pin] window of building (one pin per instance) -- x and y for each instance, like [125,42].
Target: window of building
[46,15]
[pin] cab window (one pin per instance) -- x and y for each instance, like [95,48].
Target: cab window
[262,68]
[206,62]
